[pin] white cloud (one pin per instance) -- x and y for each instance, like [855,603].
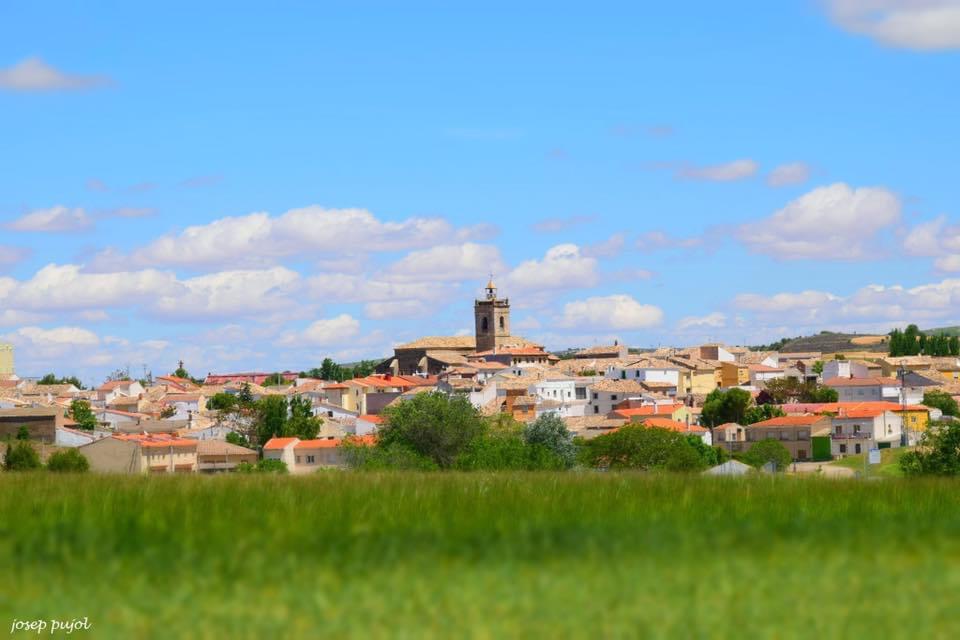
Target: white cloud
[711,320]
[54,219]
[264,293]
[609,248]
[33,74]
[397,309]
[326,332]
[789,174]
[873,305]
[562,267]
[468,261]
[925,25]
[609,312]
[936,239]
[259,239]
[727,172]
[66,287]
[835,222]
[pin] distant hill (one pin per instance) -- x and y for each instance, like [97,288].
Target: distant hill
[950,331]
[830,342]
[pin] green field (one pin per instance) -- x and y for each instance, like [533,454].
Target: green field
[889,466]
[488,556]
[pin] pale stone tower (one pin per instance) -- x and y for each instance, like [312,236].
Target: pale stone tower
[492,318]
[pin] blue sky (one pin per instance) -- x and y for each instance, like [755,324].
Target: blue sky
[663,174]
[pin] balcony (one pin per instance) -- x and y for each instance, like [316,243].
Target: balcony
[863,435]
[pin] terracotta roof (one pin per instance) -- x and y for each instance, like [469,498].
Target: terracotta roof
[525,400]
[788,421]
[384,381]
[157,440]
[320,443]
[673,425]
[366,417]
[599,351]
[278,443]
[836,407]
[625,386]
[649,410]
[862,382]
[514,351]
[762,368]
[440,342]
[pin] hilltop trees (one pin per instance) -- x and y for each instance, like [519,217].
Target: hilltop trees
[910,342]
[52,379]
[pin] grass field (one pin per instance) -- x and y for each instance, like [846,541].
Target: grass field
[889,466]
[486,556]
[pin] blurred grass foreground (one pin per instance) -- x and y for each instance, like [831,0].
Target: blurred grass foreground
[481,555]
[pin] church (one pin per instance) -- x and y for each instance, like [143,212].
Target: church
[491,342]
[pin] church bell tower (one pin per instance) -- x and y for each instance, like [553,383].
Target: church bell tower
[492,317]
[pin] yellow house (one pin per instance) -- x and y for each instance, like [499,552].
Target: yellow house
[734,374]
[915,417]
[696,375]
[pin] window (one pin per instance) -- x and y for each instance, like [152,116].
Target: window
[298,459]
[596,409]
[623,374]
[503,323]
[613,397]
[313,459]
[329,414]
[581,393]
[843,448]
[484,325]
[856,448]
[838,430]
[595,396]
[856,429]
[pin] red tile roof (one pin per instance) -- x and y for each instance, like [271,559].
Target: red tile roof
[648,410]
[788,421]
[278,443]
[371,418]
[673,425]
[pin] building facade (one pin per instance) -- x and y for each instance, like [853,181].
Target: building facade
[492,320]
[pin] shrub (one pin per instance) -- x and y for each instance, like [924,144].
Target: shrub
[639,447]
[434,425]
[938,453]
[69,461]
[21,456]
[550,432]
[768,450]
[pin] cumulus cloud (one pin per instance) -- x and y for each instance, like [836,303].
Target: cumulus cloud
[711,320]
[562,267]
[66,287]
[876,305]
[836,222]
[925,25]
[468,261]
[266,293]
[609,248]
[33,74]
[727,172]
[259,239]
[789,174]
[325,332]
[609,312]
[937,239]
[55,219]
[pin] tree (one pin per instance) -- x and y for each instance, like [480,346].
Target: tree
[83,415]
[245,396]
[813,392]
[640,447]
[302,423]
[783,390]
[23,433]
[721,407]
[711,456]
[182,373]
[434,425]
[330,370]
[955,346]
[52,379]
[271,418]
[818,367]
[762,412]
[21,456]
[768,450]
[267,465]
[68,461]
[274,379]
[896,343]
[168,412]
[943,401]
[550,431]
[222,402]
[938,453]
[235,438]
[911,340]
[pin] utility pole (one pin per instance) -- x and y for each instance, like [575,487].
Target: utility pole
[904,436]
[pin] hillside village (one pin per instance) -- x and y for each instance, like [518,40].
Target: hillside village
[820,406]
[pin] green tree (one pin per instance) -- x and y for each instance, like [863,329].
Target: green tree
[245,396]
[393,457]
[783,390]
[222,402]
[68,461]
[23,433]
[434,425]
[711,456]
[938,453]
[302,423]
[911,340]
[640,447]
[235,438]
[52,379]
[818,367]
[550,431]
[83,415]
[943,401]
[267,465]
[768,450]
[21,456]
[896,343]
[330,370]
[274,379]
[721,407]
[168,412]
[270,418]
[762,412]
[813,392]
[955,346]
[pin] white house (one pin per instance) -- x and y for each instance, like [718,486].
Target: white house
[874,390]
[858,430]
[845,369]
[606,394]
[109,391]
[760,373]
[646,370]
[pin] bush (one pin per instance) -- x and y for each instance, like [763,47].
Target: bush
[943,401]
[68,461]
[267,465]
[395,456]
[550,432]
[938,453]
[639,447]
[21,456]
[768,450]
[434,425]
